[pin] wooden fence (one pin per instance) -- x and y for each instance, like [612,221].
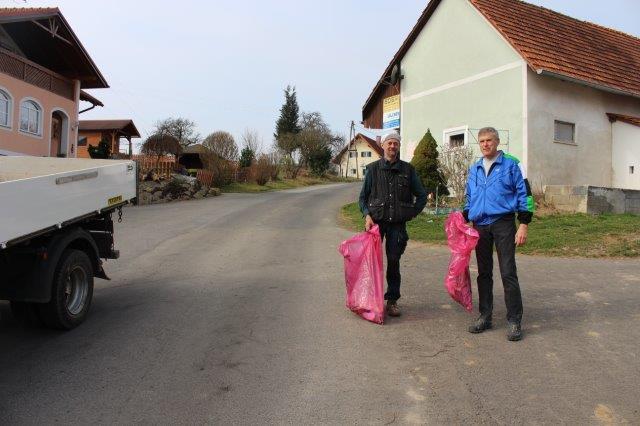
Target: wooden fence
[164,166]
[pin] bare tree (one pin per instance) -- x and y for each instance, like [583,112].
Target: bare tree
[252,140]
[454,166]
[183,129]
[159,145]
[222,144]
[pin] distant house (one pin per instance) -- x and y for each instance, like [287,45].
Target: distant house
[563,93]
[356,155]
[43,69]
[91,132]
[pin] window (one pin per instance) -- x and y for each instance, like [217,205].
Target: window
[5,109]
[364,171]
[564,132]
[455,137]
[353,171]
[456,141]
[30,118]
[365,154]
[353,154]
[631,170]
[82,141]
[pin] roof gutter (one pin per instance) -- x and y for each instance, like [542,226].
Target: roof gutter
[601,87]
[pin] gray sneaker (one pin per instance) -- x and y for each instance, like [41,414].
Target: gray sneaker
[480,325]
[515,332]
[392,309]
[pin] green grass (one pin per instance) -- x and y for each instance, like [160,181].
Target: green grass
[565,234]
[281,184]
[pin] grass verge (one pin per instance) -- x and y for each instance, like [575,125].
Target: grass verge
[560,234]
[280,184]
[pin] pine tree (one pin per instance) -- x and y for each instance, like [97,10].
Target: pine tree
[288,124]
[425,161]
[246,157]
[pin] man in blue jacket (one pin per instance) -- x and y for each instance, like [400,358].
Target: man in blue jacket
[496,191]
[387,199]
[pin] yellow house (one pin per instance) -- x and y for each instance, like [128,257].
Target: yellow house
[354,158]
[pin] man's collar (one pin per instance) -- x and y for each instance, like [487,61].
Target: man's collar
[497,160]
[389,165]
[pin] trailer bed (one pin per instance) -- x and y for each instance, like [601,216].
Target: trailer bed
[37,194]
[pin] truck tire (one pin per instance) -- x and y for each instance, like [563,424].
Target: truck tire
[71,291]
[26,313]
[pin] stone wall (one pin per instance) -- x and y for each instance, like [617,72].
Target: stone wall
[592,199]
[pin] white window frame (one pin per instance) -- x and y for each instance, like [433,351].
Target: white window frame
[365,154]
[454,131]
[9,124]
[575,131]
[40,118]
[355,154]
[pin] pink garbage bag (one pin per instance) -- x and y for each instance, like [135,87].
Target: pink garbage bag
[363,274]
[461,239]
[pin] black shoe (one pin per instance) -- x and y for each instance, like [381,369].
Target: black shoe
[515,332]
[480,325]
[392,309]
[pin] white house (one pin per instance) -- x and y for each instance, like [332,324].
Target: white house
[356,155]
[564,93]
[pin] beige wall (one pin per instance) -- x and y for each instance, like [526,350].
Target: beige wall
[360,163]
[13,141]
[589,161]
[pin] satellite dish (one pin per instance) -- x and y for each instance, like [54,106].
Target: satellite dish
[395,75]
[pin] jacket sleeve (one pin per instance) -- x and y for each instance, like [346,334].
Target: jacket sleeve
[467,196]
[523,195]
[418,191]
[364,193]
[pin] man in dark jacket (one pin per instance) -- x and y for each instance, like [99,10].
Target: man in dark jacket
[387,199]
[496,191]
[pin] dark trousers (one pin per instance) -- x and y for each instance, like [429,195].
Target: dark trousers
[395,237]
[501,233]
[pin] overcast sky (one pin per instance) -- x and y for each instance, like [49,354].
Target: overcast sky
[224,64]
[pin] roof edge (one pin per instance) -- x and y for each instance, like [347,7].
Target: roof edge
[587,83]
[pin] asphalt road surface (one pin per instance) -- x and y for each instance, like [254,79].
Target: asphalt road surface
[231,311]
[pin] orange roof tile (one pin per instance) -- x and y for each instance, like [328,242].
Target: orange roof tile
[558,44]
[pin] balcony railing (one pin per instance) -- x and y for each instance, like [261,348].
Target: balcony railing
[32,73]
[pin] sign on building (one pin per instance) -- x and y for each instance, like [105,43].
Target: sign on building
[391,112]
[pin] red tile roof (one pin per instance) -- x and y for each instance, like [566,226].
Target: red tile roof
[27,12]
[550,43]
[558,44]
[626,118]
[372,143]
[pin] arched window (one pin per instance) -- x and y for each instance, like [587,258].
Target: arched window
[30,117]
[5,109]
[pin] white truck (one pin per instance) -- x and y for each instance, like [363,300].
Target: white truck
[56,226]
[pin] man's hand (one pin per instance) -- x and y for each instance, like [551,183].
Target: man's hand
[521,235]
[368,223]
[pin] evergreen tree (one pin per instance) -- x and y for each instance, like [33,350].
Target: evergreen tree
[425,161]
[103,150]
[287,126]
[246,157]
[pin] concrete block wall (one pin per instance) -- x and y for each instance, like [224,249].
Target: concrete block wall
[592,199]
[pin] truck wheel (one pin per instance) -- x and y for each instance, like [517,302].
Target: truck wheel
[71,291]
[26,313]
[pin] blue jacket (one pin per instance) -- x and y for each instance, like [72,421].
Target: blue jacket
[504,191]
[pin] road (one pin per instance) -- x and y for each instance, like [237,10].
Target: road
[230,310]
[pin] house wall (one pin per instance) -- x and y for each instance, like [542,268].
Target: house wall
[589,160]
[93,138]
[460,73]
[625,154]
[359,165]
[13,141]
